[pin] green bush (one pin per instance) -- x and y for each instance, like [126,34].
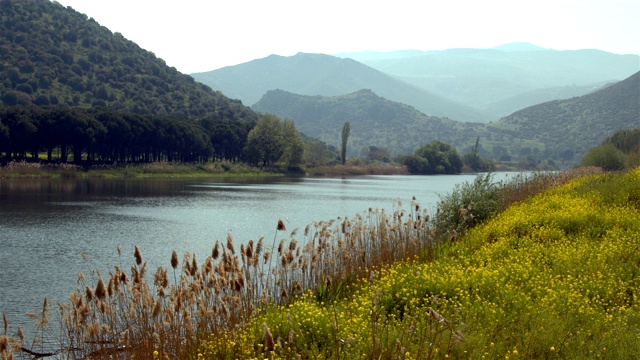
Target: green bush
[468,204]
[606,156]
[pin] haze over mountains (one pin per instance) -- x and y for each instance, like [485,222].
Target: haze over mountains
[320,74]
[485,78]
[478,85]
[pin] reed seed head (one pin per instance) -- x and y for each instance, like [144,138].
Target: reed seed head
[215,252]
[230,243]
[281,226]
[267,338]
[137,255]
[101,290]
[249,250]
[156,309]
[174,260]
[88,294]
[259,246]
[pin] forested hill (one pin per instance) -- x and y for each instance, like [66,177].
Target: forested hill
[375,121]
[52,55]
[570,127]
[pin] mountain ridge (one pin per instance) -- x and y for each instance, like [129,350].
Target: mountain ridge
[325,75]
[560,130]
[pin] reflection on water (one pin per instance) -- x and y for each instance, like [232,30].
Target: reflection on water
[52,229]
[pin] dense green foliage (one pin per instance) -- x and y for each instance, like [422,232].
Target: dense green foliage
[104,135]
[434,158]
[108,136]
[52,55]
[616,152]
[344,138]
[272,140]
[605,156]
[627,141]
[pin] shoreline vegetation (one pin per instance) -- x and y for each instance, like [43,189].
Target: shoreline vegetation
[25,169]
[22,169]
[537,267]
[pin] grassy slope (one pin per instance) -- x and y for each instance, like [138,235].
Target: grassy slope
[555,276]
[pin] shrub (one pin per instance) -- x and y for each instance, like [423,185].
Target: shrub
[606,156]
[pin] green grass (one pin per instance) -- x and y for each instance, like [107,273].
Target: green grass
[16,169]
[553,276]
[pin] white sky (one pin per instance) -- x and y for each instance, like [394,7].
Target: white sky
[204,35]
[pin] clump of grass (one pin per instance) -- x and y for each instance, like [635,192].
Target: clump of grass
[36,169]
[357,170]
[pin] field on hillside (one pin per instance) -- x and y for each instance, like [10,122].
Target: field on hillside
[556,276]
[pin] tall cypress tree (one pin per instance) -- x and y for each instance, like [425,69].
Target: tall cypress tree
[346,131]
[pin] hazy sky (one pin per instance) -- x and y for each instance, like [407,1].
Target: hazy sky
[203,35]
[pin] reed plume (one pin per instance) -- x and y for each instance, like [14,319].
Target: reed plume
[137,255]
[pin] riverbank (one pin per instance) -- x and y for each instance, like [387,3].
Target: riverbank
[345,288]
[23,169]
[553,276]
[164,169]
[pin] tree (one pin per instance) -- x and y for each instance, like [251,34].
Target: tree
[473,160]
[346,131]
[265,143]
[606,156]
[293,145]
[436,157]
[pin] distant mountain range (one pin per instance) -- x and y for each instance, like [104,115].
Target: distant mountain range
[562,130]
[469,85]
[325,75]
[486,79]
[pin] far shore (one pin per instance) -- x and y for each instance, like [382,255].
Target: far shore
[22,169]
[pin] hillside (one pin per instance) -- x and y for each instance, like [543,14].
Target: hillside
[559,130]
[52,55]
[374,120]
[569,128]
[318,74]
[481,78]
[522,100]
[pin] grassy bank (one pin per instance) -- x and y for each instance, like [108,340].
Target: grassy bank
[158,169]
[22,169]
[552,276]
[555,276]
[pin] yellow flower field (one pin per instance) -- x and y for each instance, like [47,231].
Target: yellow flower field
[555,276]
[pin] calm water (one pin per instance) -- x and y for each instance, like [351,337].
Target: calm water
[50,230]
